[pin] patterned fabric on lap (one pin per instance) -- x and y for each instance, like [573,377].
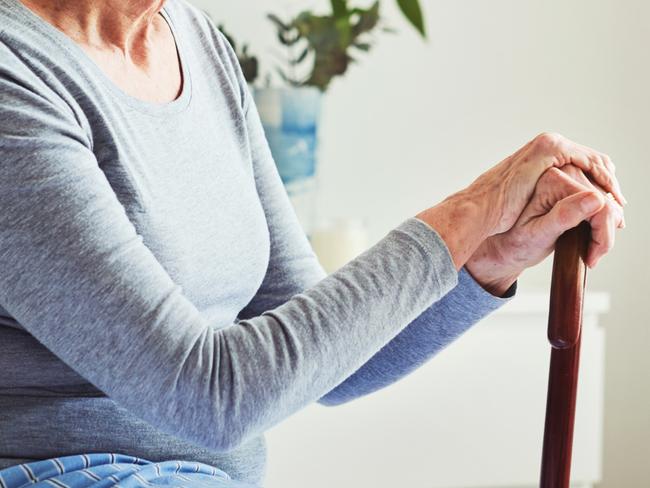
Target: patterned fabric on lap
[114,470]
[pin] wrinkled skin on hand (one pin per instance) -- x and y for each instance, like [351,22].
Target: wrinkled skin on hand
[494,202]
[508,187]
[562,199]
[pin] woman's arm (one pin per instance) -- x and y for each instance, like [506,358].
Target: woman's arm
[436,328]
[562,199]
[463,221]
[293,268]
[78,277]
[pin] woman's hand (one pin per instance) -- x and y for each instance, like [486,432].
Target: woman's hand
[508,187]
[493,202]
[562,199]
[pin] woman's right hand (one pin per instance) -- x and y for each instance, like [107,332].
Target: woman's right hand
[494,201]
[507,188]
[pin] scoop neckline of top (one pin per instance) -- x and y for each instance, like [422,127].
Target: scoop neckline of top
[63,40]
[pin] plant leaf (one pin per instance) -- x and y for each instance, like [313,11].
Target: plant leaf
[413,13]
[301,57]
[363,46]
[287,38]
[368,19]
[278,23]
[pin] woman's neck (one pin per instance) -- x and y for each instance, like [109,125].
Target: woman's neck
[124,25]
[127,39]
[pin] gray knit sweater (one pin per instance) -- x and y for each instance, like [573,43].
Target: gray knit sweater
[158,297]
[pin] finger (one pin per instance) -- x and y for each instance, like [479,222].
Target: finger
[569,212]
[562,151]
[603,227]
[605,157]
[619,213]
[604,223]
[605,161]
[608,162]
[595,167]
[603,234]
[577,175]
[554,185]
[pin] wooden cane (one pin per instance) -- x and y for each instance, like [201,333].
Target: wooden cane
[564,334]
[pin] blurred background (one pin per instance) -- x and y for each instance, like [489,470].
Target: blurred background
[415,120]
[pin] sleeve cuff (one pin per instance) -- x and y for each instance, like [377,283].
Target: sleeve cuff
[467,281]
[445,270]
[436,250]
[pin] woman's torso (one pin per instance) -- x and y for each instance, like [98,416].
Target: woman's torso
[183,174]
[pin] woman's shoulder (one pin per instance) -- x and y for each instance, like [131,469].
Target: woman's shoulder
[30,69]
[31,97]
[20,82]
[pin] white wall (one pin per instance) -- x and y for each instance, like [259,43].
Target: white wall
[416,121]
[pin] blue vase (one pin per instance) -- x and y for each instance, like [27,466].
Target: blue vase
[290,116]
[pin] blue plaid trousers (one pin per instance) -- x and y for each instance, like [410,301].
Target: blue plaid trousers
[115,471]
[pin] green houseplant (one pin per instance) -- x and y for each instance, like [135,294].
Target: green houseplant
[319,48]
[330,42]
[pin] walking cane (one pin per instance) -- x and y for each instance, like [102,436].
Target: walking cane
[564,334]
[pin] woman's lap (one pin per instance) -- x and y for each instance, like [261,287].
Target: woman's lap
[114,470]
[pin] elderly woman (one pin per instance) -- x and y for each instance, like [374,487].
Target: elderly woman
[161,307]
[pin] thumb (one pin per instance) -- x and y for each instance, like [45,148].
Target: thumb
[570,211]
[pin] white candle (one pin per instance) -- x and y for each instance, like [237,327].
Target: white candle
[339,242]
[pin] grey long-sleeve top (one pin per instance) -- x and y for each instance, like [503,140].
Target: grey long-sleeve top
[158,295]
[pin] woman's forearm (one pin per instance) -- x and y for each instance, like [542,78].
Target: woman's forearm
[462,222]
[433,330]
[464,225]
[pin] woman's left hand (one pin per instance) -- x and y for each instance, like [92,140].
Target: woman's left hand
[563,198]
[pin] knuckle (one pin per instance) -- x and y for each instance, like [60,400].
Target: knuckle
[573,171]
[608,161]
[551,176]
[563,216]
[602,161]
[605,162]
[548,140]
[599,168]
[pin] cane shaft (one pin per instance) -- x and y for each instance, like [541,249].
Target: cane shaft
[564,334]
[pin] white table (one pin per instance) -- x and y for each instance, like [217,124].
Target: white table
[473,417]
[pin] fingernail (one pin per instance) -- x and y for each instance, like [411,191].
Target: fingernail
[590,203]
